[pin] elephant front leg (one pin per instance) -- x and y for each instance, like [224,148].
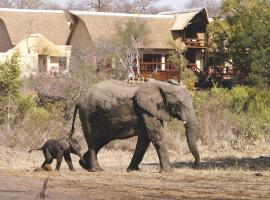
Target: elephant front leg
[141,147]
[156,135]
[59,161]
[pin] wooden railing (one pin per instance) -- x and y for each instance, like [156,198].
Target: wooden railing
[194,42]
[156,66]
[227,73]
[154,70]
[219,72]
[161,75]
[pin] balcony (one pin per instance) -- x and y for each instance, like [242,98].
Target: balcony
[159,71]
[219,73]
[195,43]
[152,66]
[227,73]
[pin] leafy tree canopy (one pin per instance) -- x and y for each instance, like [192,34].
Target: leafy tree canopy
[9,76]
[242,37]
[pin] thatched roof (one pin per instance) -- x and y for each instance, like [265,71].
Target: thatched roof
[54,25]
[21,23]
[102,26]
[39,44]
[183,18]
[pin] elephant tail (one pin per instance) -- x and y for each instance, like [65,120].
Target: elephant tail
[34,149]
[77,106]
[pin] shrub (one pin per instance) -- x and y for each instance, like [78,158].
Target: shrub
[240,116]
[24,104]
[246,132]
[9,76]
[9,85]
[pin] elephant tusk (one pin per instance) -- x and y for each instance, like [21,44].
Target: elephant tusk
[185,122]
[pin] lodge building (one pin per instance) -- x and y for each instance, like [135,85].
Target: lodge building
[48,41]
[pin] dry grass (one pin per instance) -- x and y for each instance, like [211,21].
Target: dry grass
[213,157]
[223,175]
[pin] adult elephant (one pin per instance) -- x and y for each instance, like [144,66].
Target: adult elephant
[117,110]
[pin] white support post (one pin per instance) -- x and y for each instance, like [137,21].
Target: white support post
[163,67]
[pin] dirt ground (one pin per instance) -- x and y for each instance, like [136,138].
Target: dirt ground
[220,177]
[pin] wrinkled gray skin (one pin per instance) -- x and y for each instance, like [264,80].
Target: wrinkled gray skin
[57,149]
[116,110]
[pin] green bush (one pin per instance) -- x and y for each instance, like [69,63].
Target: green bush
[24,103]
[9,76]
[246,132]
[9,85]
[240,116]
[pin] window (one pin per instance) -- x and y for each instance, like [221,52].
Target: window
[62,61]
[152,61]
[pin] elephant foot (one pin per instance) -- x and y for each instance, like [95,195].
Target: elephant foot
[196,165]
[131,169]
[166,170]
[95,169]
[88,167]
[84,165]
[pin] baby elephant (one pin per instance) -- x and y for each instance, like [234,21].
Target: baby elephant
[57,149]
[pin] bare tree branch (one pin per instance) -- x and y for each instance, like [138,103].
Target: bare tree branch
[99,5]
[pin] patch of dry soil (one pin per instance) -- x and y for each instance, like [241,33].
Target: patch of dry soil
[219,178]
[182,184]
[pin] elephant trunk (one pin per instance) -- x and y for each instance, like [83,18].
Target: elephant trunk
[192,131]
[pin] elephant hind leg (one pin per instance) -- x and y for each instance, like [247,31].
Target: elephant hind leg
[48,158]
[90,161]
[141,147]
[90,157]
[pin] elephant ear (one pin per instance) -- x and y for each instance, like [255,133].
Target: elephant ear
[64,143]
[149,97]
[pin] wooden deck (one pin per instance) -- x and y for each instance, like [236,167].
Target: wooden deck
[220,73]
[155,70]
[158,70]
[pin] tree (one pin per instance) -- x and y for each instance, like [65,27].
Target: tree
[129,38]
[99,5]
[9,85]
[212,6]
[144,6]
[9,76]
[29,4]
[179,61]
[7,3]
[242,38]
[122,6]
